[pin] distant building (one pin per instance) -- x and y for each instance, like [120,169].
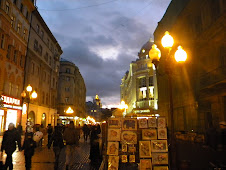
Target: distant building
[42,71]
[71,91]
[199,86]
[139,86]
[94,109]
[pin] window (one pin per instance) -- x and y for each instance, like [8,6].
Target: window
[10,88]
[42,34]
[21,8]
[8,52]
[43,97]
[15,2]
[47,99]
[68,70]
[67,89]
[19,26]
[53,82]
[13,20]
[46,57]
[7,7]
[27,15]
[25,34]
[37,28]
[48,79]
[66,99]
[17,90]
[21,61]
[35,45]
[15,56]
[68,78]
[37,70]
[40,50]
[44,76]
[151,81]
[142,82]
[3,41]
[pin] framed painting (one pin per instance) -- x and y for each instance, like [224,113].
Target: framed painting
[145,164]
[152,122]
[161,122]
[113,162]
[131,148]
[124,158]
[162,133]
[149,134]
[160,168]
[124,147]
[143,123]
[114,122]
[159,158]
[132,158]
[129,124]
[159,146]
[112,148]
[129,137]
[114,134]
[145,149]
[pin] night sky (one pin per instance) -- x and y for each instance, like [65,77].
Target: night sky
[102,37]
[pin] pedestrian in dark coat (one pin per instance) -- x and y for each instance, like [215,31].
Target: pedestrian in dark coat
[86,132]
[95,156]
[50,132]
[58,144]
[10,137]
[29,149]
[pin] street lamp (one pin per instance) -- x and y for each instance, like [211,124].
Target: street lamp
[123,105]
[180,56]
[28,95]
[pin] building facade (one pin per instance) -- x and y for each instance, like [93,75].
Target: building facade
[71,91]
[199,86]
[139,86]
[15,16]
[42,71]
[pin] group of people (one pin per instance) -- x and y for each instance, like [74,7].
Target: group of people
[58,138]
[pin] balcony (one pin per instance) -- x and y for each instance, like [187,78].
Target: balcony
[213,77]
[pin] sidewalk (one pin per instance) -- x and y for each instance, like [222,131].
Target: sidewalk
[44,158]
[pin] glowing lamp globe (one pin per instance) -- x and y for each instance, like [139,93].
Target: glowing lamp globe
[167,40]
[34,95]
[180,55]
[29,88]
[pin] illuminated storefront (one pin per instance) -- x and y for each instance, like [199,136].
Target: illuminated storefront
[10,112]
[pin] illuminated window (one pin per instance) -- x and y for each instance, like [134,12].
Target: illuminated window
[19,26]
[7,7]
[12,21]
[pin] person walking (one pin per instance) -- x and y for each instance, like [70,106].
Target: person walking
[58,144]
[50,132]
[29,149]
[71,137]
[10,137]
[85,130]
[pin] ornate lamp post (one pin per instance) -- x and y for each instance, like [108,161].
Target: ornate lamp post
[27,96]
[180,56]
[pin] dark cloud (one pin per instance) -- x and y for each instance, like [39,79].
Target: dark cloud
[102,40]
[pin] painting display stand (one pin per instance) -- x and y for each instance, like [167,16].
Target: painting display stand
[137,143]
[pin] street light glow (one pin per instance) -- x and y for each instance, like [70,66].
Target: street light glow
[70,110]
[34,95]
[180,55]
[29,88]
[154,53]
[167,40]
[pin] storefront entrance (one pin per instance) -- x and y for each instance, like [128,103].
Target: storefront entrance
[11,118]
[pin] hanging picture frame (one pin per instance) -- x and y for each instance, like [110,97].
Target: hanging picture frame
[112,148]
[114,134]
[159,146]
[145,164]
[144,149]
[161,122]
[160,168]
[131,148]
[152,122]
[129,124]
[129,137]
[159,158]
[124,147]
[124,158]
[114,122]
[113,162]
[143,123]
[132,158]
[149,134]
[162,133]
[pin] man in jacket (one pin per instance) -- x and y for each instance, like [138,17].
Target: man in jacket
[10,137]
[71,137]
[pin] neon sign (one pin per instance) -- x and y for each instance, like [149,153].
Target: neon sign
[10,100]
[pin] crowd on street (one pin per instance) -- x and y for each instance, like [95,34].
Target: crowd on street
[59,137]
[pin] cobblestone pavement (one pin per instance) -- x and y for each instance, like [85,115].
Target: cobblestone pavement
[43,158]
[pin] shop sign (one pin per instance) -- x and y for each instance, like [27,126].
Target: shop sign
[142,111]
[10,100]
[12,107]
